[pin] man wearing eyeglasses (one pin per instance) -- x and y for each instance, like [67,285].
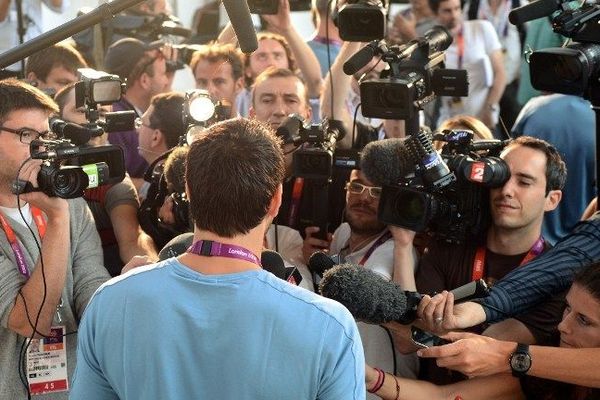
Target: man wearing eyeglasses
[144,66]
[39,299]
[364,240]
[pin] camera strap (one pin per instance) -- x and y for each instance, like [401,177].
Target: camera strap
[295,203]
[209,248]
[381,240]
[17,249]
[479,262]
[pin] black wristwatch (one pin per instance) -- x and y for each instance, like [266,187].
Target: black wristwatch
[520,360]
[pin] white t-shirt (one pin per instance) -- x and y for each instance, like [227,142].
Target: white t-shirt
[480,41]
[376,341]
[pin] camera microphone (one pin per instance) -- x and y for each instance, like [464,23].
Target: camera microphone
[77,134]
[534,10]
[372,299]
[385,162]
[171,28]
[362,57]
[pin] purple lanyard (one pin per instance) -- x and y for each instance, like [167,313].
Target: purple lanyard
[209,248]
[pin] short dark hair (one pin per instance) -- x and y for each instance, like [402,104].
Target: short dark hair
[589,279]
[18,95]
[288,53]
[174,169]
[556,169]
[232,172]
[168,116]
[216,52]
[57,55]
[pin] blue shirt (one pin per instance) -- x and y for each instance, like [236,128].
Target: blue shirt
[168,332]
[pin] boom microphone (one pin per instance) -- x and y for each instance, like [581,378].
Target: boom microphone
[375,300]
[384,162]
[534,10]
[241,21]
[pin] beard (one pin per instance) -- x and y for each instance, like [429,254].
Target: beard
[362,224]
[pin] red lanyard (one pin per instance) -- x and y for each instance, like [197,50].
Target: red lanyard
[479,262]
[40,222]
[460,43]
[295,204]
[381,240]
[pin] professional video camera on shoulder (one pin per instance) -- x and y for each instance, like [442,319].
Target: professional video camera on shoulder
[362,20]
[415,76]
[445,193]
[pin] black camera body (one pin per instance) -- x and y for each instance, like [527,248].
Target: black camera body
[362,20]
[89,167]
[416,75]
[453,205]
[270,7]
[314,159]
[575,68]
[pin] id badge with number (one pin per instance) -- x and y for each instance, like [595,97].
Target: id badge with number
[47,363]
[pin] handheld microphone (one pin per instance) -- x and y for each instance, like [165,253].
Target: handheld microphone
[534,10]
[241,21]
[375,300]
[272,262]
[176,246]
[77,134]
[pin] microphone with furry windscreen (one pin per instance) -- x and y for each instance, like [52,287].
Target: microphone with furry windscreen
[372,299]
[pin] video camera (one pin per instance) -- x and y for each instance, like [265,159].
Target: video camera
[316,147]
[362,20]
[575,68]
[415,76]
[88,167]
[266,7]
[448,193]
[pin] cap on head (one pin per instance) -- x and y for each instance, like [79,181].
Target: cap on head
[124,54]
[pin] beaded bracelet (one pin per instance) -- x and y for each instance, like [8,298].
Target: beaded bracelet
[379,383]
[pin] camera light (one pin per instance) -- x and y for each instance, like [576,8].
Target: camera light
[200,106]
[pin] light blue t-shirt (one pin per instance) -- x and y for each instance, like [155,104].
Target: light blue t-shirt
[168,332]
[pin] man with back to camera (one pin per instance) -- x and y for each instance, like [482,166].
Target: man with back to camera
[51,296]
[513,238]
[239,331]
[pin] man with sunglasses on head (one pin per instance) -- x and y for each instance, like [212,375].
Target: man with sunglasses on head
[145,68]
[364,240]
[50,258]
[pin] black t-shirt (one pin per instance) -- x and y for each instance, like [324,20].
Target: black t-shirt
[447,266]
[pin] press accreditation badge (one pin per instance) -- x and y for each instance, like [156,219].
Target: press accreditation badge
[47,363]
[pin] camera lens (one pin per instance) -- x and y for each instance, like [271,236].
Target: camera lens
[69,182]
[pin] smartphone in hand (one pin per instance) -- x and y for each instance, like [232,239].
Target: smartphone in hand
[425,339]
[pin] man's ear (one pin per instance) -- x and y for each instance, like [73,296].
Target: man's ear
[144,81]
[552,200]
[32,77]
[251,112]
[275,202]
[239,85]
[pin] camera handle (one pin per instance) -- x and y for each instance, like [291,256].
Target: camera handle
[99,14]
[320,211]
